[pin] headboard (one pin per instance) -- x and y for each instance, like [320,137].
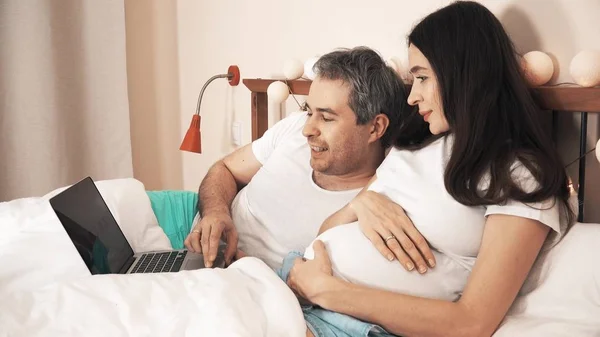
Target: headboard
[550,98]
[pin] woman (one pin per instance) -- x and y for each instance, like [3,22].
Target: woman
[494,183]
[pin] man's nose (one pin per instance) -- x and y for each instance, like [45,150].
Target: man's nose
[310,128]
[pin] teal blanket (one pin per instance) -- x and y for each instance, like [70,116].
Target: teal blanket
[175,212]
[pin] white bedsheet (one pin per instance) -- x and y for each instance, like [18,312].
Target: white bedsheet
[561,296]
[46,290]
[247,299]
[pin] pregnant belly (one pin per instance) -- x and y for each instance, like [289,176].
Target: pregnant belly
[356,260]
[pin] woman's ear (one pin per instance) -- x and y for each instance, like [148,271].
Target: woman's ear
[379,126]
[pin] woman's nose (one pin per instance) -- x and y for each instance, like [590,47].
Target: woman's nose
[415,97]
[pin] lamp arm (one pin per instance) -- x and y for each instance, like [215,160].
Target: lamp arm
[204,88]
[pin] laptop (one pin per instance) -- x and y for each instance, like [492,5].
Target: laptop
[101,244]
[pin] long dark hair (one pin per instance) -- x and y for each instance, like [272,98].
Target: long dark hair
[490,110]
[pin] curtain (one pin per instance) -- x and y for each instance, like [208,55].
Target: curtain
[63,94]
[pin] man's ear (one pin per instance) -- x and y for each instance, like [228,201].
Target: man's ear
[379,126]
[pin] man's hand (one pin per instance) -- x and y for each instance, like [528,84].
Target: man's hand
[204,237]
[238,255]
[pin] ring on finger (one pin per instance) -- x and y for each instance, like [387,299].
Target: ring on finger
[196,231]
[391,237]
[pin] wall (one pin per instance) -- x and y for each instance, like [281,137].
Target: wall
[64,110]
[153,85]
[260,35]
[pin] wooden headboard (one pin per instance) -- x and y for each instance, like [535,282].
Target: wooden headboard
[554,99]
[574,99]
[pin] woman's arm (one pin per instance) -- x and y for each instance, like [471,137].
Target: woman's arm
[408,246]
[345,215]
[509,248]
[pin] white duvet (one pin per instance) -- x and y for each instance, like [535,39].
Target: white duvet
[46,290]
[246,299]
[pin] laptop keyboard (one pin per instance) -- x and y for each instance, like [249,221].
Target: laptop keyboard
[159,262]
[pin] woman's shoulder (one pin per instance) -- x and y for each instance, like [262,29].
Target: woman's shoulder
[441,143]
[549,212]
[427,162]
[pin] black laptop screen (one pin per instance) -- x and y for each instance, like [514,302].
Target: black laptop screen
[92,228]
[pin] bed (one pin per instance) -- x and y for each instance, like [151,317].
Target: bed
[46,290]
[561,296]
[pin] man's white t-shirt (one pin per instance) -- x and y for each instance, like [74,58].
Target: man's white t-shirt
[282,209]
[415,181]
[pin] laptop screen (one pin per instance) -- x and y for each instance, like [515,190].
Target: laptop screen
[92,228]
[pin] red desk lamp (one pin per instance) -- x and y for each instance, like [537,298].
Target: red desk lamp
[192,141]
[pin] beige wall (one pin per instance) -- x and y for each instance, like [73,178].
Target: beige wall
[153,84]
[260,35]
[63,95]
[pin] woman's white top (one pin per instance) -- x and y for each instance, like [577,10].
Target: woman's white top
[415,181]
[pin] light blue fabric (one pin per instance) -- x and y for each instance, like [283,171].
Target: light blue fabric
[325,323]
[175,212]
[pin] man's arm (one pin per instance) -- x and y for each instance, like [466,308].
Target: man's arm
[215,195]
[224,179]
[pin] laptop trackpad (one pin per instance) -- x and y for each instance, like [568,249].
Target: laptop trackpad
[193,261]
[196,261]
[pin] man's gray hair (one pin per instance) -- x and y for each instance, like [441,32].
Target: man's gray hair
[375,88]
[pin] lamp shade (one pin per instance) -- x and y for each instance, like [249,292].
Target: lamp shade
[538,68]
[278,92]
[192,141]
[293,69]
[585,68]
[598,150]
[308,67]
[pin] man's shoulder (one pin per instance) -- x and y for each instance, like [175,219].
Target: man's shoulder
[284,133]
[287,130]
[291,125]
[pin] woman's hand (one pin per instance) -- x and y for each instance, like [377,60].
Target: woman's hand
[308,278]
[388,227]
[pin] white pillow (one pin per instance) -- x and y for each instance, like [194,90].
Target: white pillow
[35,250]
[561,296]
[130,205]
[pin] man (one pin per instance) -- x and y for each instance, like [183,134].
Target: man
[308,165]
